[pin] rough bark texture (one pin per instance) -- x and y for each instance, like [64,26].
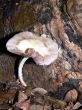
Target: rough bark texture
[54,18]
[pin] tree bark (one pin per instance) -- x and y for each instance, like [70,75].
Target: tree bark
[50,17]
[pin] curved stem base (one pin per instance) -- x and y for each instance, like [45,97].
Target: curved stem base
[20,73]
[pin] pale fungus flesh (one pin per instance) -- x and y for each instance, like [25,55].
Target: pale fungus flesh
[43,50]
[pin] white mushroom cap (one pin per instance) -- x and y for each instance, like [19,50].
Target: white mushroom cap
[43,50]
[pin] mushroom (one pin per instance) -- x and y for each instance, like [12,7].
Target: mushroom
[43,50]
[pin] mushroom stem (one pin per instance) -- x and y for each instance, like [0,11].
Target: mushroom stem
[20,73]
